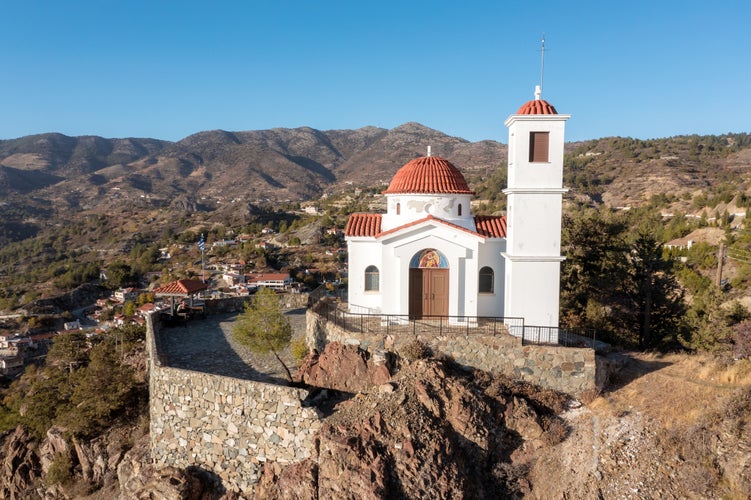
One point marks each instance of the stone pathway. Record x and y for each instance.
(207, 345)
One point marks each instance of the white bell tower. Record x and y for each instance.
(534, 204)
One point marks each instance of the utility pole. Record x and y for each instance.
(720, 254)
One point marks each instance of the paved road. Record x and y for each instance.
(207, 345)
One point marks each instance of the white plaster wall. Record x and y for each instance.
(364, 252)
(459, 248)
(522, 173)
(534, 223)
(534, 194)
(490, 255)
(418, 206)
(532, 291)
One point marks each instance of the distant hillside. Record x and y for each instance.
(265, 165)
(622, 172)
(227, 172)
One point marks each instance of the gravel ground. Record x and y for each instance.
(207, 345)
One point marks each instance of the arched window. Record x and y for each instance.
(372, 279)
(486, 280)
(459, 212)
(398, 208)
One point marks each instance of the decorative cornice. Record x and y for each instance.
(533, 258)
(534, 190)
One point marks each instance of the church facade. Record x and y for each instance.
(429, 256)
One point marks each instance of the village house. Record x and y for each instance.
(72, 325)
(146, 309)
(11, 364)
(233, 278)
(224, 243)
(126, 294)
(278, 281)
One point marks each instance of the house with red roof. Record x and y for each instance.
(278, 281)
(428, 255)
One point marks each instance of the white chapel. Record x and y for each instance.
(429, 256)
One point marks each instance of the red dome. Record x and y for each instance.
(428, 174)
(537, 107)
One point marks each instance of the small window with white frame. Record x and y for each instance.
(372, 279)
(485, 282)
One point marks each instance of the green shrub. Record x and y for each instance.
(59, 471)
(299, 349)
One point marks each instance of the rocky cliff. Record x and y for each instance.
(672, 426)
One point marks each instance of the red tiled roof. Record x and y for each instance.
(491, 226)
(428, 174)
(181, 287)
(256, 277)
(370, 225)
(537, 107)
(363, 225)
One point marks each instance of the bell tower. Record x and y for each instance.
(534, 208)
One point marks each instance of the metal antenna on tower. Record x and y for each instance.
(542, 64)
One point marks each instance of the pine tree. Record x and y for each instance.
(263, 328)
(655, 304)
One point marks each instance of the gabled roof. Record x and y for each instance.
(181, 287)
(363, 225)
(370, 225)
(491, 226)
(428, 174)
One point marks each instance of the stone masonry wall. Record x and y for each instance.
(225, 425)
(567, 369)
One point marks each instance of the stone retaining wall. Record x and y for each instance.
(567, 369)
(225, 425)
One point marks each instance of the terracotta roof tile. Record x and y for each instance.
(428, 174)
(537, 107)
(491, 226)
(181, 287)
(363, 225)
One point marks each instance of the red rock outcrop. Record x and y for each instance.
(434, 431)
(343, 368)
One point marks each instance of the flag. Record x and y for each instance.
(201, 243)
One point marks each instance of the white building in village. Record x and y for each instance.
(429, 256)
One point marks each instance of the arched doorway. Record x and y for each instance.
(428, 284)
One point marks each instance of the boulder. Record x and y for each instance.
(343, 368)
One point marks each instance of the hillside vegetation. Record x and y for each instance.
(76, 206)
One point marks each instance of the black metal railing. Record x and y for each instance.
(379, 323)
(548, 335)
(364, 320)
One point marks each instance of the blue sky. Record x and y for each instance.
(167, 69)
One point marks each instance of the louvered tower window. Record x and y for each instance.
(538, 147)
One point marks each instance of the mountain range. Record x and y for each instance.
(52, 177)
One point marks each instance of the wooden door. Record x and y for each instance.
(437, 298)
(415, 293)
(428, 292)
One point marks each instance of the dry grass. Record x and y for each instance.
(677, 389)
(733, 373)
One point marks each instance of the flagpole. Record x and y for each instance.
(202, 246)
